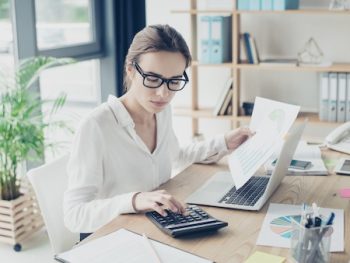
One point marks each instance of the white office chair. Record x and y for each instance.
(49, 182)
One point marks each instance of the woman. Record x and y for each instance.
(126, 147)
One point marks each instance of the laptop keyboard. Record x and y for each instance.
(248, 194)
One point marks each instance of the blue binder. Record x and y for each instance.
(204, 39)
(220, 45)
(243, 4)
(266, 4)
(254, 5)
(285, 4)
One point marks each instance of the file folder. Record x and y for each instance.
(266, 4)
(220, 45)
(341, 104)
(285, 4)
(254, 5)
(333, 96)
(324, 95)
(348, 97)
(204, 39)
(243, 4)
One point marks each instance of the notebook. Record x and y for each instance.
(125, 246)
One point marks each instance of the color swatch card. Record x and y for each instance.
(276, 230)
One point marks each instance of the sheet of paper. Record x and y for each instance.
(304, 152)
(261, 257)
(276, 230)
(125, 246)
(270, 120)
(273, 115)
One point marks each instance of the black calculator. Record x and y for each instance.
(196, 220)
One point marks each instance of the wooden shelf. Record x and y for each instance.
(199, 64)
(208, 114)
(241, 12)
(296, 12)
(237, 68)
(336, 67)
(195, 12)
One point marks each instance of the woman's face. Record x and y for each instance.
(162, 64)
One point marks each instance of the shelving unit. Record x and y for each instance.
(194, 112)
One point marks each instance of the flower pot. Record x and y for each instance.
(19, 219)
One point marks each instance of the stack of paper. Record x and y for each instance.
(125, 246)
(304, 152)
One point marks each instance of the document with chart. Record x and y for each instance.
(271, 121)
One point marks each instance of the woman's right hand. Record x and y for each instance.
(158, 201)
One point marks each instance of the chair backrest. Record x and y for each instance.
(49, 182)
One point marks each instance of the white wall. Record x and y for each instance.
(276, 35)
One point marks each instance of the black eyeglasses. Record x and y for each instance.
(152, 81)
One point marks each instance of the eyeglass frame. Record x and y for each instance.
(145, 75)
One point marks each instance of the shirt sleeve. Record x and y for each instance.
(207, 151)
(84, 212)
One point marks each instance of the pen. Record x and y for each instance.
(330, 219)
(151, 248)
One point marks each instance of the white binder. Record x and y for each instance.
(333, 96)
(341, 104)
(348, 98)
(324, 90)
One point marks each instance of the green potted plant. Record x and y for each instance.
(22, 125)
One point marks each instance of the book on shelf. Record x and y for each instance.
(249, 48)
(223, 95)
(279, 62)
(254, 48)
(304, 152)
(226, 102)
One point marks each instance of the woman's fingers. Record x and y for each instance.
(169, 202)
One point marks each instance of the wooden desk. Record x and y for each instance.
(238, 241)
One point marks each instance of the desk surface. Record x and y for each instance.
(237, 242)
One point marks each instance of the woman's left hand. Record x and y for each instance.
(236, 137)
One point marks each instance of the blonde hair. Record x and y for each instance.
(155, 38)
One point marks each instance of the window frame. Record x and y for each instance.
(25, 34)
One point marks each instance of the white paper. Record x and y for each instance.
(125, 246)
(304, 152)
(271, 120)
(270, 237)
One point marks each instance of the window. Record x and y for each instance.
(63, 23)
(7, 60)
(70, 28)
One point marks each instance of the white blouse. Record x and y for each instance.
(109, 163)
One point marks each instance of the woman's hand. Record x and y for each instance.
(157, 201)
(236, 137)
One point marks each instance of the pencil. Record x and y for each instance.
(151, 248)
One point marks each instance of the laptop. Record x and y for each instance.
(220, 191)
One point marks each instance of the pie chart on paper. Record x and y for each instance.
(282, 226)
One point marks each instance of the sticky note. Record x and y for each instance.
(261, 257)
(345, 192)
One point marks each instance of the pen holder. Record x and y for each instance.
(310, 244)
